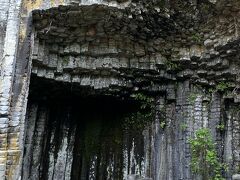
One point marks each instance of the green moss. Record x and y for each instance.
(172, 65)
(65, 60)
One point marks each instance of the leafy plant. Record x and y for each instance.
(221, 127)
(211, 90)
(172, 65)
(222, 86)
(204, 160)
(137, 121)
(183, 126)
(192, 97)
(146, 101)
(140, 119)
(196, 38)
(163, 124)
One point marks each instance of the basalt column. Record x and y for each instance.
(82, 59)
(77, 135)
(102, 89)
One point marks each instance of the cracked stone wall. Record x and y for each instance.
(186, 54)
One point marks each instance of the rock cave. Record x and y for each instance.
(119, 90)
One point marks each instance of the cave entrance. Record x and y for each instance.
(77, 133)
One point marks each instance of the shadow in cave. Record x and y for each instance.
(84, 136)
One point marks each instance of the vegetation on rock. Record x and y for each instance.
(142, 118)
(204, 160)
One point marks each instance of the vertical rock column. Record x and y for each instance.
(38, 143)
(231, 154)
(236, 139)
(4, 6)
(228, 158)
(9, 148)
(183, 130)
(30, 127)
(160, 145)
(215, 114)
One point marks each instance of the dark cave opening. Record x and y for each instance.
(82, 134)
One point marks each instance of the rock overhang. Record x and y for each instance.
(100, 43)
(204, 56)
(97, 42)
(138, 25)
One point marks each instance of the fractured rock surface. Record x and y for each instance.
(185, 54)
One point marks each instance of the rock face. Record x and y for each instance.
(69, 71)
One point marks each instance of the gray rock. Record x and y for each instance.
(236, 177)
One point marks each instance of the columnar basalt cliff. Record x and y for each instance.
(77, 78)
